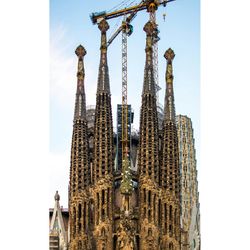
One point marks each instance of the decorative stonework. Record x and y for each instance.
(130, 210)
(189, 193)
(170, 174)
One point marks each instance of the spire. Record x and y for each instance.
(103, 77)
(57, 196)
(148, 151)
(79, 148)
(169, 109)
(79, 164)
(149, 84)
(80, 103)
(148, 160)
(57, 226)
(103, 128)
(170, 170)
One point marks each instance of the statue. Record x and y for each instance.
(125, 239)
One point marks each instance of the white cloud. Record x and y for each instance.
(62, 67)
(59, 176)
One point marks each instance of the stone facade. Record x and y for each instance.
(190, 216)
(139, 208)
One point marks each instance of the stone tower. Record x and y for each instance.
(103, 160)
(170, 172)
(190, 214)
(79, 166)
(148, 153)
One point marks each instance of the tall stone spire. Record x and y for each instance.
(103, 128)
(148, 152)
(79, 167)
(103, 162)
(170, 171)
(149, 84)
(148, 159)
(103, 77)
(169, 109)
(80, 103)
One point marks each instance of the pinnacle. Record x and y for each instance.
(169, 55)
(103, 26)
(80, 51)
(57, 196)
(149, 28)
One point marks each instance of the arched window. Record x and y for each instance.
(159, 212)
(175, 217)
(170, 212)
(108, 202)
(171, 246)
(74, 219)
(84, 215)
(154, 201)
(79, 217)
(149, 198)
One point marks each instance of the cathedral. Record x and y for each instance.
(113, 207)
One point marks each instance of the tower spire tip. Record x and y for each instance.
(57, 196)
(103, 26)
(169, 55)
(80, 51)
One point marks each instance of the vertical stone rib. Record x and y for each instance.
(170, 177)
(79, 167)
(148, 152)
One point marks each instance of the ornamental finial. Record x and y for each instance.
(103, 26)
(169, 55)
(80, 51)
(57, 196)
(149, 28)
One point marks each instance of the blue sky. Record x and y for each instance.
(70, 26)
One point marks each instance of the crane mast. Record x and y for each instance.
(124, 92)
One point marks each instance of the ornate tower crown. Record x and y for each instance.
(169, 55)
(103, 26)
(80, 51)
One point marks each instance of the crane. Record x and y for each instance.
(126, 28)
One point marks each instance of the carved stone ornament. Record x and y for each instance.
(169, 54)
(103, 26)
(149, 28)
(80, 51)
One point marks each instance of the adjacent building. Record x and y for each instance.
(58, 226)
(190, 212)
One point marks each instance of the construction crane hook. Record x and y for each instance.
(164, 17)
